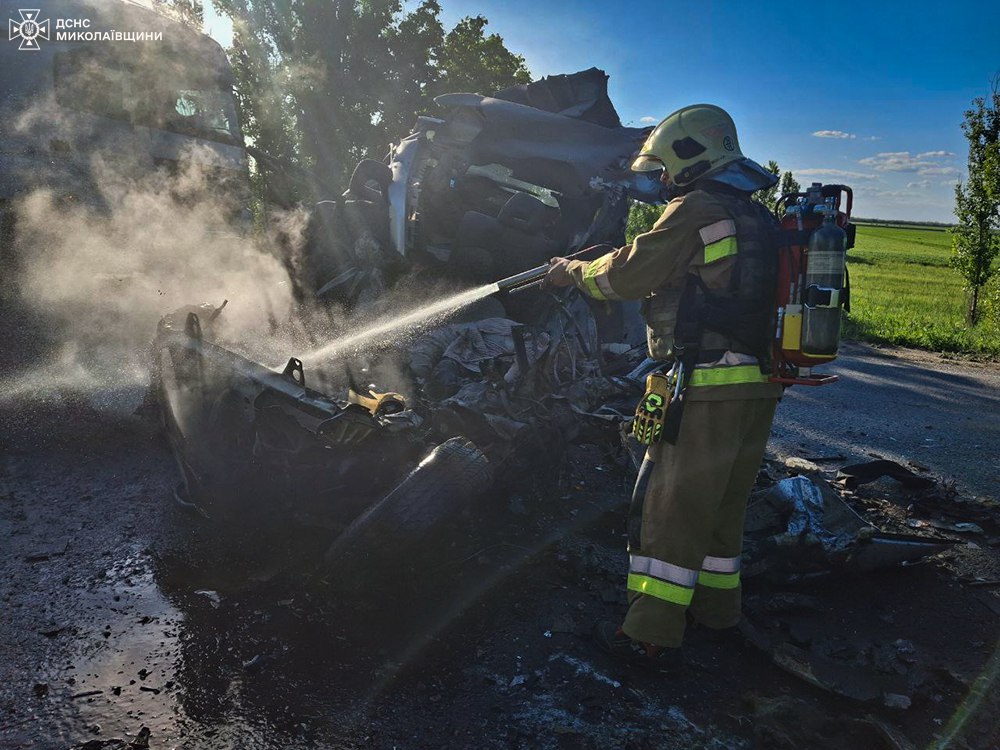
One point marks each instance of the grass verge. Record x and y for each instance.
(904, 292)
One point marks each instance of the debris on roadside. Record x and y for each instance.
(801, 528)
(564, 624)
(46, 555)
(794, 463)
(864, 671)
(962, 527)
(85, 694)
(857, 474)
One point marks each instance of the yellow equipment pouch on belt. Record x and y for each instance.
(652, 410)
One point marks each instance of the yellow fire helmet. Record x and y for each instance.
(690, 143)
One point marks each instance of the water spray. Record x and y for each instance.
(376, 333)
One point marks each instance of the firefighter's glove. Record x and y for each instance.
(558, 274)
(652, 410)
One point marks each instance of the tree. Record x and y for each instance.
(323, 84)
(191, 12)
(641, 217)
(416, 43)
(469, 61)
(788, 184)
(975, 243)
(767, 196)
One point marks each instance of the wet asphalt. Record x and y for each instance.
(119, 612)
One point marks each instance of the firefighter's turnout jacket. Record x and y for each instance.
(686, 521)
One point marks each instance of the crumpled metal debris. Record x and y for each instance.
(801, 528)
(863, 670)
(856, 474)
(471, 344)
(805, 502)
(493, 379)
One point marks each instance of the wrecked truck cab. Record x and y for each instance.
(491, 187)
(515, 183)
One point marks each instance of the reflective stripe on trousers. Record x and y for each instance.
(661, 579)
(720, 572)
(675, 584)
(664, 580)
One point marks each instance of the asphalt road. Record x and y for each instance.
(902, 405)
(117, 612)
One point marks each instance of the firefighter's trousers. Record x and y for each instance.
(686, 520)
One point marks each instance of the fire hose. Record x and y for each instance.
(533, 278)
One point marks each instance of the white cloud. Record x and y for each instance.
(917, 205)
(920, 184)
(895, 161)
(941, 171)
(833, 134)
(904, 161)
(648, 120)
(894, 196)
(835, 173)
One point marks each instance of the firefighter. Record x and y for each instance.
(702, 272)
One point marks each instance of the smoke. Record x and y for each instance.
(122, 220)
(98, 275)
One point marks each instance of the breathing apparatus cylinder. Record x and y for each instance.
(824, 286)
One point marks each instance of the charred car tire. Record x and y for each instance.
(413, 530)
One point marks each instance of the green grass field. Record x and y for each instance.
(904, 292)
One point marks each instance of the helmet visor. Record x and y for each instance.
(647, 163)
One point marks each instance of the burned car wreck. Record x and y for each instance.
(390, 443)
(497, 186)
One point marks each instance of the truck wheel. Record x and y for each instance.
(410, 532)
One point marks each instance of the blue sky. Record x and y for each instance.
(869, 94)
